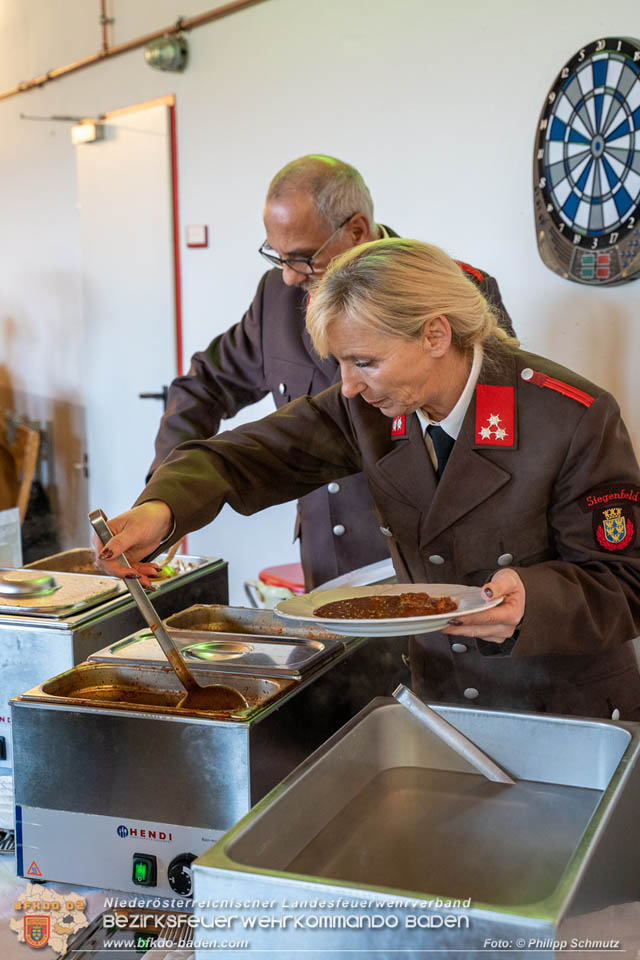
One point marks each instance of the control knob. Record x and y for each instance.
(179, 874)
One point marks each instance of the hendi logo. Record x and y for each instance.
(143, 833)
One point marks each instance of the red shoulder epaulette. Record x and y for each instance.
(472, 271)
(542, 380)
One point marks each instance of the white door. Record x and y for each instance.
(126, 213)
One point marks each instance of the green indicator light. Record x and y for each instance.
(145, 870)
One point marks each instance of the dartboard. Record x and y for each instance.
(587, 166)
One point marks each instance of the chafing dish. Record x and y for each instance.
(44, 635)
(385, 820)
(145, 778)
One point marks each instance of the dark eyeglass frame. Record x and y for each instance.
(291, 262)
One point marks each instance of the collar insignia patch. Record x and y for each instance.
(399, 428)
(495, 416)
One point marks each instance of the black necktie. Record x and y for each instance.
(442, 444)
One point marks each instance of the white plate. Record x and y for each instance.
(469, 600)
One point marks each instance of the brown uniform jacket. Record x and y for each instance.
(270, 351)
(539, 504)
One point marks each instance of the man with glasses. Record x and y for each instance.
(316, 208)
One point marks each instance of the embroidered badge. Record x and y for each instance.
(616, 530)
(37, 930)
(495, 416)
(604, 495)
(399, 427)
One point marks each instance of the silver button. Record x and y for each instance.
(505, 559)
(333, 487)
(436, 558)
(385, 532)
(616, 714)
(282, 388)
(527, 373)
(471, 693)
(459, 648)
(339, 530)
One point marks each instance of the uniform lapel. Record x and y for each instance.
(408, 468)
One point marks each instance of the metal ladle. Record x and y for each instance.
(217, 696)
(451, 736)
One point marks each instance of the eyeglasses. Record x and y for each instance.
(302, 265)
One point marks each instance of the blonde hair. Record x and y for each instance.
(397, 286)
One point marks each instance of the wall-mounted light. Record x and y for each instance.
(167, 53)
(88, 131)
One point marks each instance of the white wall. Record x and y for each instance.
(437, 104)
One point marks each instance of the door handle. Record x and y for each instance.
(157, 396)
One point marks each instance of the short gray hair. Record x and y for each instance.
(337, 189)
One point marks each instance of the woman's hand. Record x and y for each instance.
(137, 533)
(499, 623)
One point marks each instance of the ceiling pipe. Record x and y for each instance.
(106, 53)
(105, 22)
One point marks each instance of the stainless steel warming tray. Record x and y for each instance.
(217, 618)
(126, 779)
(386, 820)
(257, 655)
(36, 643)
(82, 560)
(151, 689)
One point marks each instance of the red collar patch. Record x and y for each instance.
(495, 416)
(399, 427)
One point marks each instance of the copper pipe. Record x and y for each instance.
(104, 20)
(181, 25)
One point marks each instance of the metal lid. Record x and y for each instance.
(42, 594)
(12, 586)
(255, 655)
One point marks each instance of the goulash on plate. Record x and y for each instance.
(386, 607)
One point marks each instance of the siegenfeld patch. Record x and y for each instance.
(614, 510)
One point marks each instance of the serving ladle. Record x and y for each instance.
(451, 735)
(216, 696)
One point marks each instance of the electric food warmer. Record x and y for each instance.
(132, 787)
(57, 611)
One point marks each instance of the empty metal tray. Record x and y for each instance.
(385, 812)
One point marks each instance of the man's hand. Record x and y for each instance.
(499, 623)
(137, 533)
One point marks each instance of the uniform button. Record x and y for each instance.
(471, 693)
(282, 388)
(527, 373)
(385, 532)
(459, 648)
(616, 714)
(505, 559)
(339, 530)
(333, 487)
(436, 558)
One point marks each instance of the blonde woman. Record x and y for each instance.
(486, 465)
